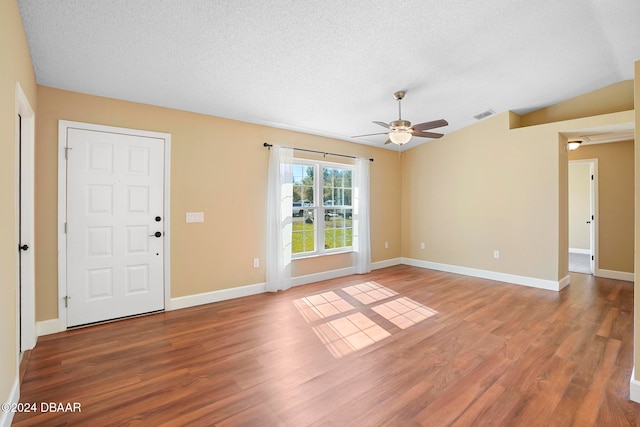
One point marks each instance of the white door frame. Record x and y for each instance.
(63, 126)
(25, 299)
(593, 211)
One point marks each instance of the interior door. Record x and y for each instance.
(21, 246)
(114, 226)
(26, 243)
(591, 220)
(26, 318)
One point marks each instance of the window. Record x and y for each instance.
(322, 208)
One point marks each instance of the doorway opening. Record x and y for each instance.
(582, 215)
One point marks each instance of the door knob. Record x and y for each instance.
(156, 234)
(588, 222)
(23, 247)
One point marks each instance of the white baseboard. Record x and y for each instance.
(53, 326)
(634, 387)
(318, 277)
(618, 275)
(580, 251)
(215, 296)
(243, 291)
(386, 263)
(492, 275)
(48, 327)
(6, 417)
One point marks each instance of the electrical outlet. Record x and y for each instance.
(195, 216)
(496, 254)
(256, 262)
(422, 245)
(386, 245)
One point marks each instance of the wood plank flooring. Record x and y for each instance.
(455, 351)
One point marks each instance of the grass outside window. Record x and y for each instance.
(338, 233)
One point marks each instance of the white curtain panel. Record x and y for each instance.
(279, 221)
(361, 240)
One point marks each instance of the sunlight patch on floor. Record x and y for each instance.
(403, 312)
(369, 292)
(345, 328)
(322, 305)
(346, 335)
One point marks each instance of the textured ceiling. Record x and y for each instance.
(331, 67)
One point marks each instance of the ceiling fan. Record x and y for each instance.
(401, 131)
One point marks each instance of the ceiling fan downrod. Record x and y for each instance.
(399, 95)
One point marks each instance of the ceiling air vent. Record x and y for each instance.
(484, 114)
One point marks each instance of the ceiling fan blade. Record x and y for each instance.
(428, 134)
(369, 134)
(383, 124)
(430, 125)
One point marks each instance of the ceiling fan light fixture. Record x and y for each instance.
(400, 137)
(573, 144)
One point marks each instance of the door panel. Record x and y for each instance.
(114, 193)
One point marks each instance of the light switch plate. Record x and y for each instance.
(195, 216)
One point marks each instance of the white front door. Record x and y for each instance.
(114, 225)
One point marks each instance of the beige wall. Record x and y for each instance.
(218, 167)
(482, 189)
(493, 186)
(614, 98)
(579, 205)
(615, 202)
(15, 67)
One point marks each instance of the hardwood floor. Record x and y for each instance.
(438, 349)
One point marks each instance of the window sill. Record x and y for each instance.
(316, 255)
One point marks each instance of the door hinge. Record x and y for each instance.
(591, 177)
(66, 152)
(66, 299)
(592, 217)
(592, 258)
(65, 228)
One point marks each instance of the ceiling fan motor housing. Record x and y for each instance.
(399, 94)
(400, 125)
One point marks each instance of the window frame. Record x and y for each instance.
(319, 208)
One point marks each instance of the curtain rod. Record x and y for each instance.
(267, 145)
